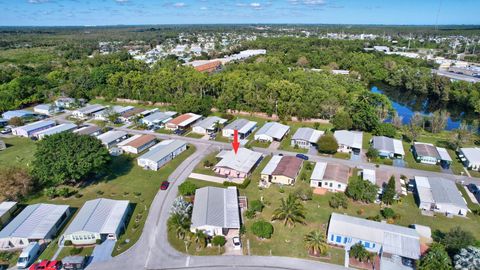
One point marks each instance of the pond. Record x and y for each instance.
(406, 104)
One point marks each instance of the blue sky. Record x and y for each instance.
(114, 12)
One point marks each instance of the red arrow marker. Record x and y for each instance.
(235, 142)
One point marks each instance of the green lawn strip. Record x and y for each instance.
(19, 152)
(69, 251)
(164, 131)
(255, 143)
(12, 260)
(286, 145)
(456, 166)
(194, 135)
(200, 168)
(463, 190)
(341, 155)
(366, 140)
(474, 173)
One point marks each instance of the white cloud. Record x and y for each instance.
(121, 1)
(38, 1)
(179, 5)
(308, 2)
(203, 8)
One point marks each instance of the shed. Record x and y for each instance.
(33, 128)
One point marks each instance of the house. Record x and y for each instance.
(271, 131)
(6, 212)
(3, 146)
(89, 130)
(470, 157)
(161, 153)
(183, 121)
(97, 220)
(331, 176)
(18, 113)
(67, 102)
(429, 154)
(112, 137)
(37, 222)
(103, 115)
(381, 178)
(3, 122)
(157, 118)
(208, 125)
(216, 211)
(394, 244)
(244, 127)
(46, 109)
(436, 194)
(306, 137)
(129, 116)
(282, 170)
(349, 141)
(87, 111)
(238, 165)
(388, 147)
(137, 144)
(55, 129)
(33, 128)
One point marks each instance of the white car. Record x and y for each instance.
(236, 243)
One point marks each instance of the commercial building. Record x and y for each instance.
(33, 128)
(6, 212)
(331, 176)
(161, 153)
(157, 118)
(216, 211)
(98, 219)
(183, 121)
(271, 131)
(306, 137)
(243, 126)
(429, 154)
(238, 165)
(388, 147)
(138, 143)
(349, 141)
(282, 170)
(87, 111)
(112, 138)
(208, 125)
(55, 130)
(470, 157)
(18, 113)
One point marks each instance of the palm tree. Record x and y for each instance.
(179, 224)
(315, 242)
(291, 211)
(200, 239)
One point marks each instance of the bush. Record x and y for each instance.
(256, 206)
(359, 252)
(219, 241)
(67, 243)
(98, 241)
(50, 192)
(327, 144)
(372, 153)
(262, 229)
(187, 188)
(243, 185)
(338, 200)
(250, 214)
(388, 213)
(64, 192)
(374, 218)
(75, 251)
(303, 193)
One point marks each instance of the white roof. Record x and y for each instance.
(353, 139)
(423, 189)
(159, 117)
(319, 171)
(471, 154)
(216, 207)
(370, 175)
(439, 191)
(111, 136)
(243, 161)
(99, 216)
(91, 109)
(387, 144)
(56, 129)
(242, 125)
(444, 154)
(209, 122)
(271, 165)
(131, 139)
(5, 207)
(162, 149)
(274, 130)
(307, 134)
(36, 125)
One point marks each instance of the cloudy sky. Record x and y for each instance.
(114, 12)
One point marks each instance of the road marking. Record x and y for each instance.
(187, 263)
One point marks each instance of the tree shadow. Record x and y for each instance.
(118, 166)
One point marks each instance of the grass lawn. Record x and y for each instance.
(127, 181)
(366, 140)
(12, 259)
(19, 152)
(285, 144)
(179, 245)
(412, 163)
(255, 143)
(200, 168)
(164, 131)
(474, 173)
(194, 135)
(70, 251)
(457, 165)
(341, 155)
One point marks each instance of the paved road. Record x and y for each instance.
(455, 76)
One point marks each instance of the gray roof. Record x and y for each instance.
(274, 130)
(87, 130)
(387, 144)
(6, 206)
(395, 239)
(158, 117)
(242, 125)
(471, 154)
(73, 260)
(271, 165)
(216, 207)
(43, 107)
(426, 150)
(307, 134)
(111, 136)
(162, 149)
(243, 161)
(102, 216)
(353, 139)
(37, 125)
(445, 191)
(208, 122)
(57, 129)
(34, 222)
(91, 109)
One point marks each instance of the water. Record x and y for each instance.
(407, 104)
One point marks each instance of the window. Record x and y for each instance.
(331, 184)
(331, 238)
(366, 245)
(345, 240)
(339, 239)
(339, 185)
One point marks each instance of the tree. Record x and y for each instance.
(182, 208)
(327, 144)
(338, 200)
(438, 121)
(454, 240)
(413, 131)
(435, 259)
(200, 239)
(388, 196)
(219, 241)
(359, 252)
(468, 258)
(388, 213)
(16, 121)
(342, 120)
(256, 206)
(397, 121)
(262, 229)
(302, 61)
(15, 183)
(362, 190)
(194, 104)
(291, 211)
(179, 224)
(67, 157)
(315, 242)
(460, 136)
(372, 153)
(187, 188)
(385, 129)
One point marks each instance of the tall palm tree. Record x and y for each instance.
(200, 239)
(179, 224)
(291, 211)
(315, 242)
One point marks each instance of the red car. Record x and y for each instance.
(164, 185)
(46, 265)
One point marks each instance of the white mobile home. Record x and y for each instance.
(46, 109)
(112, 137)
(388, 147)
(331, 176)
(243, 126)
(470, 157)
(137, 143)
(87, 111)
(157, 118)
(55, 130)
(306, 137)
(33, 128)
(349, 141)
(161, 153)
(271, 131)
(208, 125)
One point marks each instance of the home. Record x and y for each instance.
(306, 137)
(243, 126)
(18, 113)
(90, 130)
(6, 211)
(33, 128)
(216, 211)
(104, 115)
(208, 125)
(97, 220)
(87, 111)
(183, 121)
(3, 145)
(388, 147)
(37, 222)
(429, 154)
(157, 118)
(46, 109)
(349, 141)
(271, 131)
(137, 144)
(129, 116)
(3, 122)
(396, 246)
(436, 194)
(112, 137)
(67, 102)
(282, 170)
(381, 178)
(470, 157)
(55, 130)
(161, 153)
(238, 165)
(331, 176)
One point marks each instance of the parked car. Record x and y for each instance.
(302, 156)
(179, 131)
(74, 262)
(474, 188)
(29, 254)
(6, 130)
(236, 242)
(46, 265)
(165, 185)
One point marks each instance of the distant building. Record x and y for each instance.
(238, 165)
(157, 118)
(18, 113)
(55, 130)
(89, 130)
(138, 143)
(208, 66)
(306, 137)
(388, 147)
(103, 115)
(282, 170)
(349, 141)
(87, 111)
(244, 127)
(183, 121)
(384, 49)
(470, 157)
(429, 154)
(271, 131)
(46, 109)
(208, 125)
(161, 153)
(33, 128)
(6, 212)
(66, 102)
(112, 138)
(129, 116)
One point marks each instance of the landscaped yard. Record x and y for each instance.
(200, 168)
(19, 152)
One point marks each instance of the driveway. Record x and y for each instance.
(312, 151)
(209, 178)
(103, 252)
(399, 163)
(229, 247)
(274, 145)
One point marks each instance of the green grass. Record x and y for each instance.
(179, 245)
(474, 173)
(164, 131)
(366, 140)
(286, 145)
(19, 152)
(12, 260)
(341, 155)
(27, 56)
(456, 166)
(200, 168)
(194, 135)
(255, 143)
(66, 251)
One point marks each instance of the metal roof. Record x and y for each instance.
(243, 161)
(162, 149)
(35, 221)
(274, 130)
(271, 165)
(209, 122)
(288, 166)
(87, 130)
(18, 113)
(56, 129)
(439, 191)
(387, 144)
(216, 207)
(242, 125)
(471, 154)
(444, 155)
(111, 136)
(426, 150)
(91, 109)
(158, 117)
(102, 216)
(424, 190)
(43, 107)
(184, 119)
(353, 139)
(395, 239)
(37, 125)
(319, 171)
(307, 134)
(6, 206)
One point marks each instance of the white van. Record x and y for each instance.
(29, 254)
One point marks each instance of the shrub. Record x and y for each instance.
(327, 144)
(249, 214)
(243, 185)
(359, 252)
(219, 241)
(256, 206)
(64, 192)
(187, 188)
(67, 243)
(262, 229)
(303, 193)
(388, 213)
(338, 200)
(374, 218)
(75, 251)
(98, 241)
(50, 192)
(372, 153)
